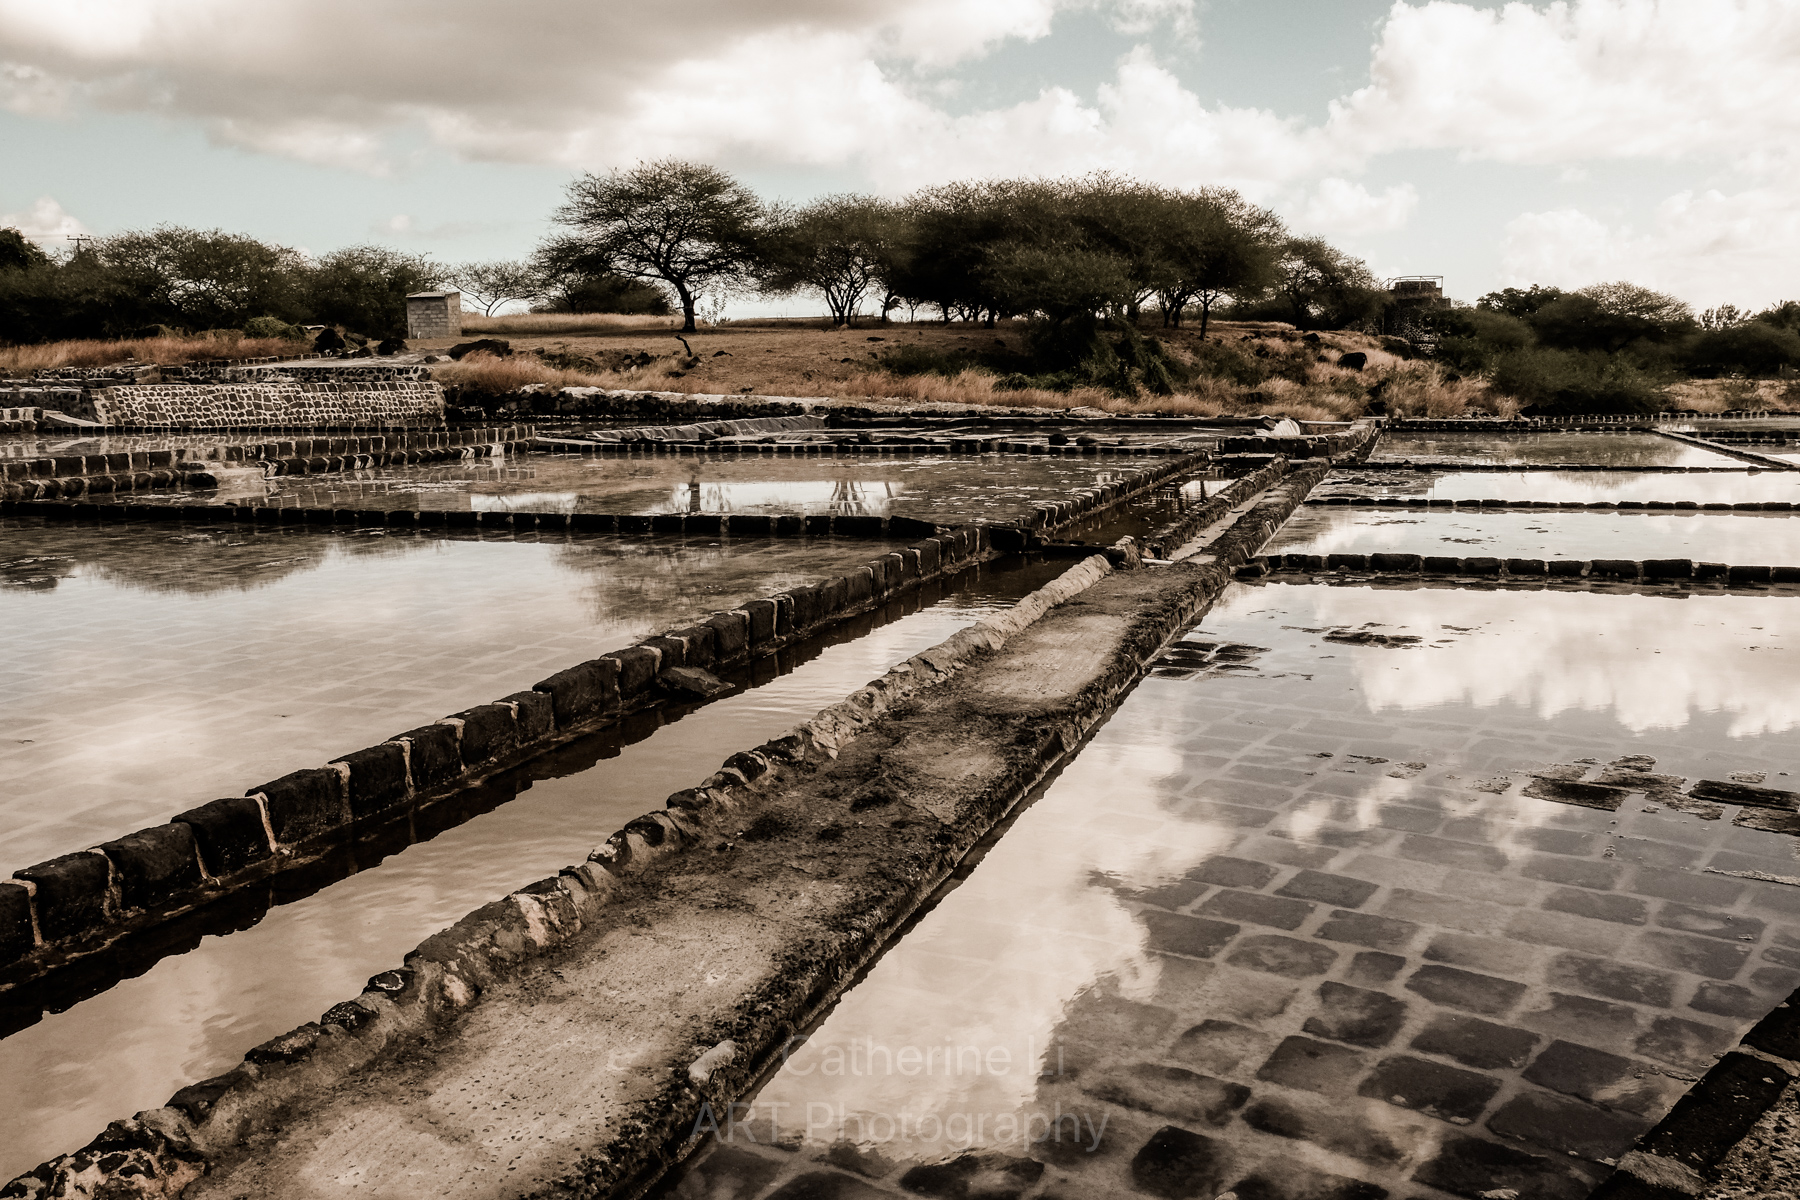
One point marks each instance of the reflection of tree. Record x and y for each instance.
(180, 560)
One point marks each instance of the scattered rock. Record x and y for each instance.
(493, 346)
(1356, 360)
(329, 341)
(693, 681)
(391, 346)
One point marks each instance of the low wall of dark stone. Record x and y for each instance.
(849, 445)
(57, 911)
(1408, 464)
(1612, 570)
(1659, 506)
(325, 405)
(69, 476)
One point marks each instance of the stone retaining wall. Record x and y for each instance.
(77, 904)
(267, 405)
(73, 475)
(1627, 570)
(1661, 506)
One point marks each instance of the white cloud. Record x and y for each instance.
(1707, 247)
(45, 222)
(1340, 206)
(1588, 79)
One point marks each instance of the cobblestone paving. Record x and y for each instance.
(1324, 913)
(150, 669)
(1599, 449)
(1768, 539)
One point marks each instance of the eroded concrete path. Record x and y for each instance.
(572, 1076)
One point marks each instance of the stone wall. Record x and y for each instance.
(266, 405)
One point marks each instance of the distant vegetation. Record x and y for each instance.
(1095, 266)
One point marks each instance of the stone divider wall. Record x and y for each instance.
(1590, 422)
(849, 445)
(1762, 460)
(1578, 505)
(72, 475)
(1409, 464)
(267, 405)
(1625, 570)
(77, 904)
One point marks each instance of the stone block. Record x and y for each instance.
(1443, 852)
(1454, 988)
(671, 650)
(1178, 1164)
(638, 667)
(378, 779)
(72, 895)
(1372, 967)
(1692, 1046)
(1256, 908)
(702, 525)
(731, 636)
(1448, 1093)
(1613, 980)
(536, 717)
(1337, 890)
(1481, 566)
(1001, 1176)
(154, 865)
(584, 691)
(1284, 956)
(435, 755)
(1600, 1078)
(1220, 1047)
(1337, 1127)
(1395, 563)
(1525, 566)
(1437, 564)
(489, 731)
(1584, 1018)
(1172, 1092)
(1567, 1126)
(1599, 906)
(1233, 872)
(759, 624)
(1474, 1167)
(1364, 929)
(1577, 872)
(16, 939)
(1172, 933)
(1346, 562)
(1715, 1115)
(1613, 568)
(305, 804)
(1695, 955)
(1356, 1015)
(1281, 1180)
(1668, 568)
(1686, 887)
(230, 834)
(1476, 1043)
(1312, 1066)
(1707, 923)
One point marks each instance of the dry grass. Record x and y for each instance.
(806, 359)
(562, 324)
(1726, 395)
(167, 352)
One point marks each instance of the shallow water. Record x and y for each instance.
(947, 489)
(152, 668)
(1762, 539)
(195, 1014)
(198, 445)
(1598, 449)
(1290, 921)
(1579, 487)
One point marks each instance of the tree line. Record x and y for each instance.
(664, 236)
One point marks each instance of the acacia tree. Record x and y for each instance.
(1322, 283)
(839, 246)
(688, 225)
(204, 278)
(494, 284)
(1214, 244)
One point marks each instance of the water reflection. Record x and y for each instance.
(206, 661)
(1226, 943)
(1577, 487)
(1600, 449)
(1746, 538)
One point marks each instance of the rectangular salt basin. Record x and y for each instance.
(1293, 925)
(194, 1014)
(197, 445)
(1596, 449)
(1576, 487)
(152, 668)
(1758, 539)
(948, 490)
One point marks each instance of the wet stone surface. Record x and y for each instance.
(1304, 929)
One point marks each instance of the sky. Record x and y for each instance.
(1494, 144)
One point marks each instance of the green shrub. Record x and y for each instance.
(1565, 383)
(273, 327)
